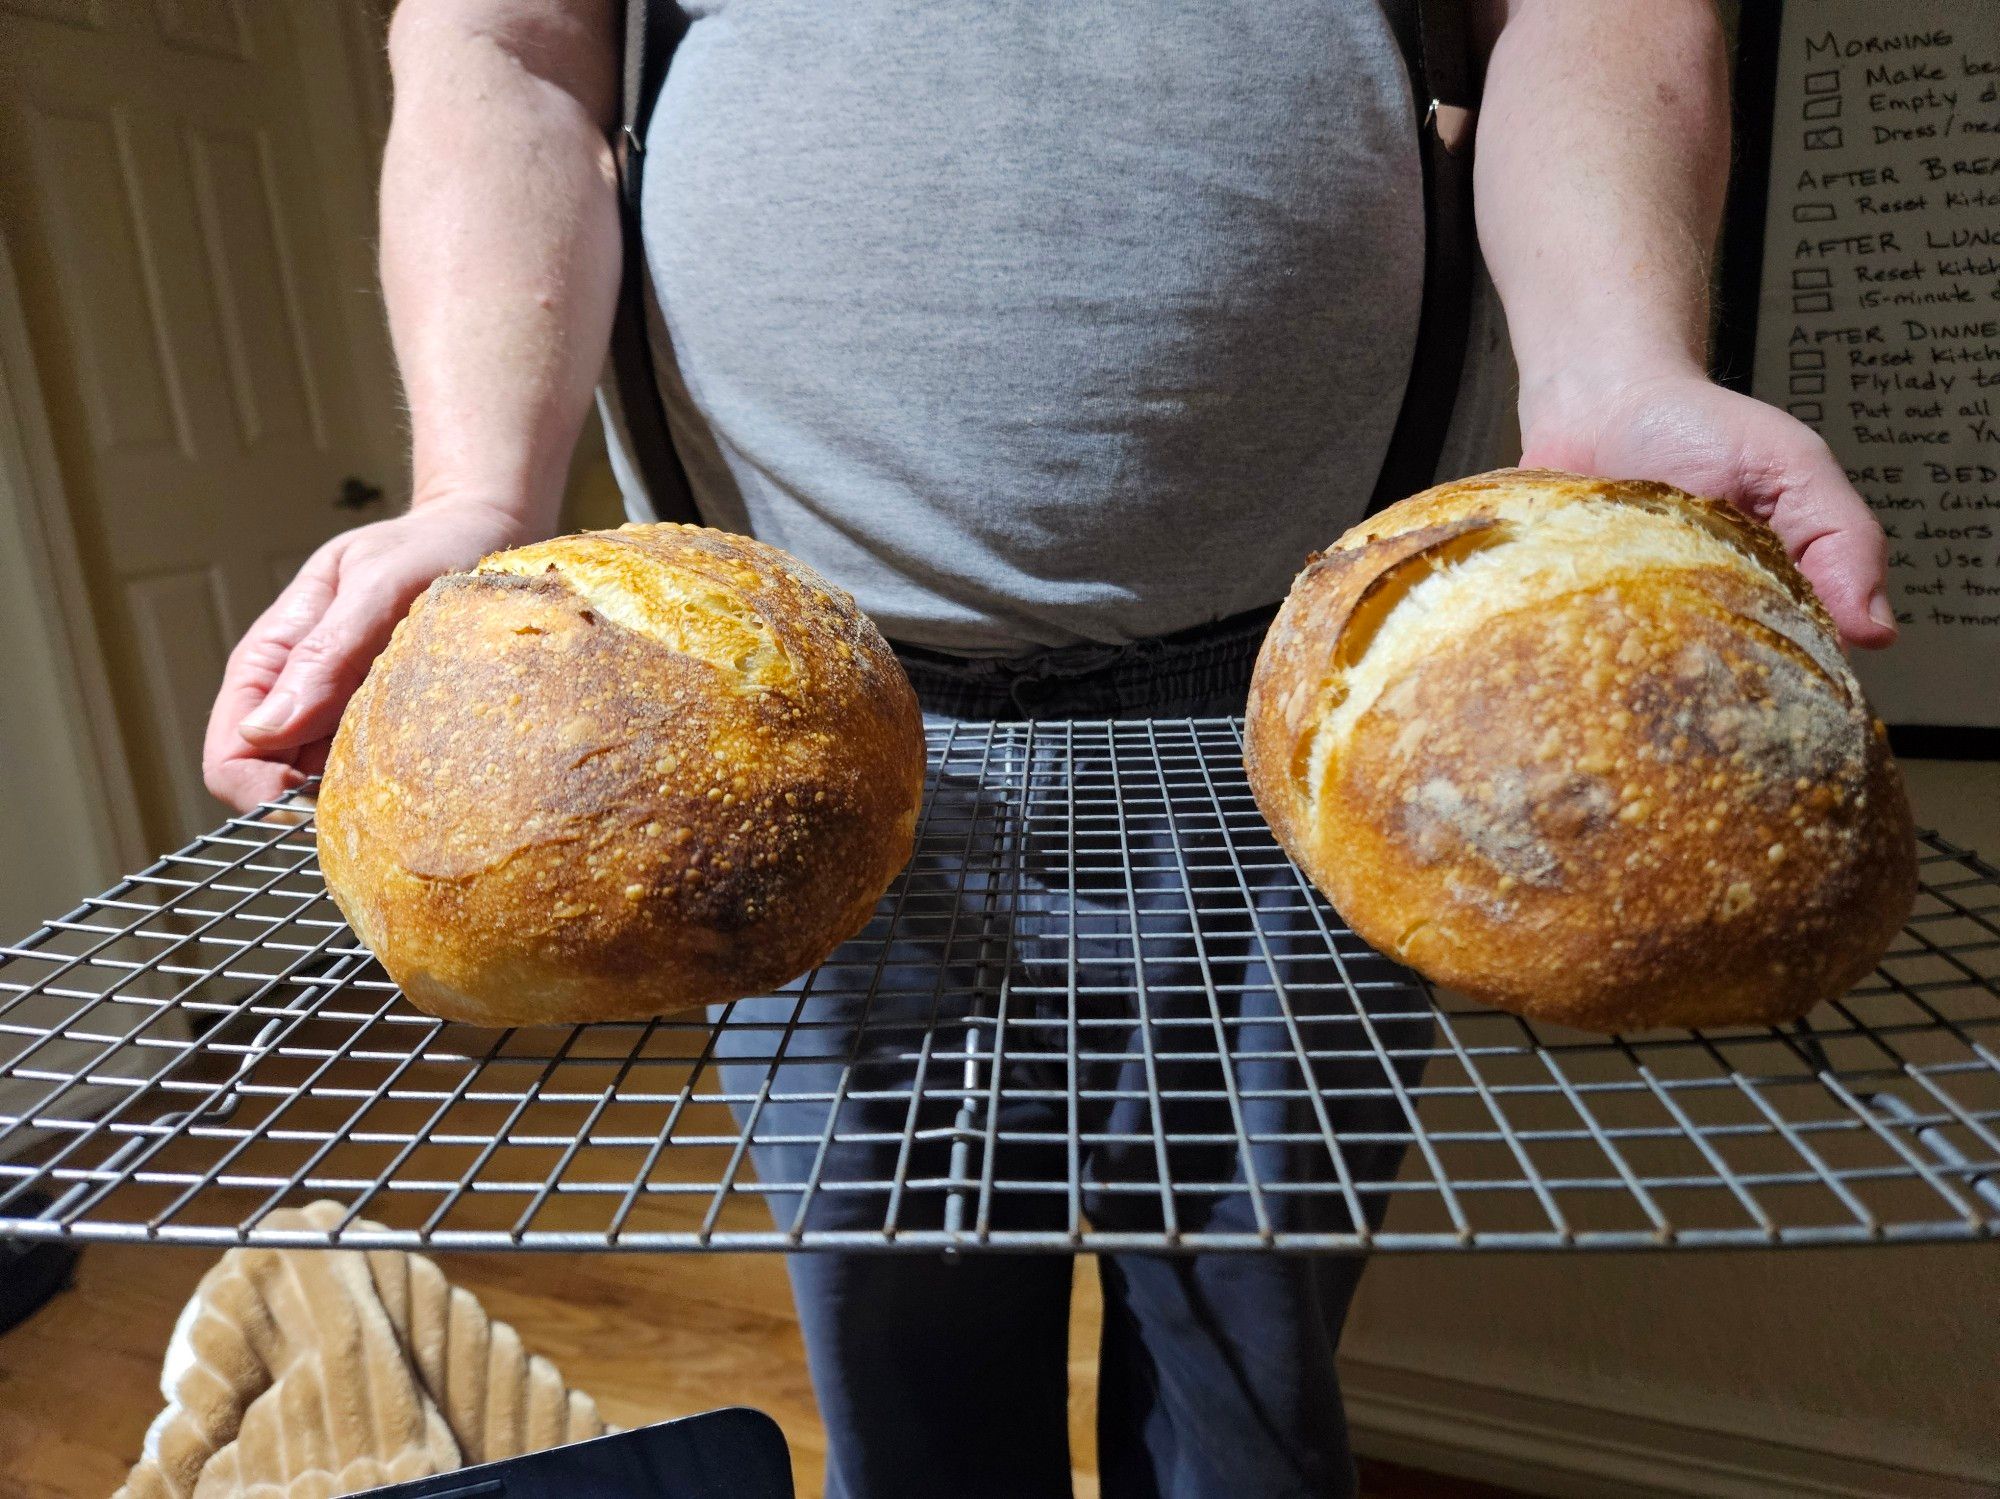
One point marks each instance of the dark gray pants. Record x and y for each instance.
(1217, 1377)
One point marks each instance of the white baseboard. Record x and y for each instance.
(1566, 1450)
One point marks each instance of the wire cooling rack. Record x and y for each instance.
(1100, 1011)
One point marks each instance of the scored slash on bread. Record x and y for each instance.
(1585, 749)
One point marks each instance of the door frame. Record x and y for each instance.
(340, 49)
(68, 654)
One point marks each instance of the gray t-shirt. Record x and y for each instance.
(1035, 324)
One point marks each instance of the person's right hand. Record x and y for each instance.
(291, 675)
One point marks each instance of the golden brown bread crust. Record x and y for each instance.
(1585, 750)
(619, 774)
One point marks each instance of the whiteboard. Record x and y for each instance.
(1869, 169)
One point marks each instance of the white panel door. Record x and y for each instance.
(187, 189)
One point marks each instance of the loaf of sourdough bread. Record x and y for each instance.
(618, 774)
(1585, 750)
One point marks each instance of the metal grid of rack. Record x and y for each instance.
(1100, 1011)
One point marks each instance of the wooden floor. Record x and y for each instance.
(650, 1337)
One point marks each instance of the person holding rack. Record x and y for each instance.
(1059, 336)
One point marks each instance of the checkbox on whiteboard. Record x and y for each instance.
(1812, 278)
(1809, 385)
(1826, 138)
(1806, 411)
(1809, 359)
(1825, 107)
(1812, 213)
(1812, 301)
(1825, 82)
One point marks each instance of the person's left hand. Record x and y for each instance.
(1682, 429)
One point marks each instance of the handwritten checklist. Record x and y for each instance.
(1879, 313)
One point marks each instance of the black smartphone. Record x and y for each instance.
(727, 1454)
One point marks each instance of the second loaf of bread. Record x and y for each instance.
(617, 774)
(1586, 750)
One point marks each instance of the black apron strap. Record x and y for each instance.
(631, 396)
(1443, 82)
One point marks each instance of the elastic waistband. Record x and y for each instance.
(1191, 673)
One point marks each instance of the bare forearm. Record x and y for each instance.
(500, 241)
(1603, 157)
(1603, 160)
